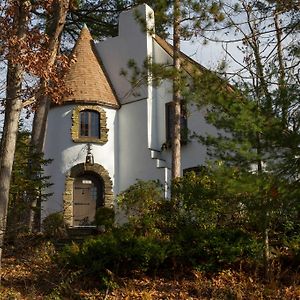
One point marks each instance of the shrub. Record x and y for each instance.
(54, 225)
(216, 249)
(163, 233)
(119, 251)
(105, 216)
(142, 203)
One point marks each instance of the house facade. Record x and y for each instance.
(108, 134)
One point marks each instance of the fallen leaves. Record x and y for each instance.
(30, 273)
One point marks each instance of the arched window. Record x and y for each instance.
(89, 124)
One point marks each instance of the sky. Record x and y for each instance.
(208, 55)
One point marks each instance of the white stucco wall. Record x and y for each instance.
(135, 122)
(136, 129)
(66, 154)
(132, 43)
(135, 160)
(193, 153)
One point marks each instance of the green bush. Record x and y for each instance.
(291, 253)
(118, 251)
(105, 216)
(54, 225)
(142, 203)
(213, 250)
(164, 233)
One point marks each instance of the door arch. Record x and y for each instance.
(100, 180)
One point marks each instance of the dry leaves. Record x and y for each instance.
(30, 273)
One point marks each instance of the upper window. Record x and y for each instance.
(170, 122)
(89, 124)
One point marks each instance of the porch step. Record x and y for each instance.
(77, 235)
(82, 232)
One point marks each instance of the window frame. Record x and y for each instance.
(77, 137)
(169, 116)
(90, 124)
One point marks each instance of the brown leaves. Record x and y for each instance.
(29, 273)
(32, 54)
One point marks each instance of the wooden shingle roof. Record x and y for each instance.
(86, 77)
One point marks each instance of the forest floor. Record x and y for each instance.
(29, 272)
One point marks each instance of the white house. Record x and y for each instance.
(121, 128)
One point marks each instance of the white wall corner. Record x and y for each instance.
(132, 44)
(137, 20)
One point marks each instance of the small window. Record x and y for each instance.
(89, 124)
(170, 122)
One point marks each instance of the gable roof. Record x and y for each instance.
(86, 78)
(189, 65)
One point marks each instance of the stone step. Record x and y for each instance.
(75, 234)
(81, 231)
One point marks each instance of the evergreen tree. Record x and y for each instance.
(27, 182)
(258, 140)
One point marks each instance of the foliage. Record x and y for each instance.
(119, 251)
(160, 234)
(105, 216)
(292, 245)
(27, 181)
(36, 55)
(26, 276)
(141, 202)
(195, 200)
(258, 136)
(54, 225)
(102, 18)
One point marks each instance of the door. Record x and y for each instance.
(88, 195)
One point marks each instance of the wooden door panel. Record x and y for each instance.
(84, 202)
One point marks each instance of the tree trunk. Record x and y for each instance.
(176, 146)
(54, 30)
(283, 101)
(13, 106)
(264, 100)
(260, 73)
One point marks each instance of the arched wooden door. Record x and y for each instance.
(88, 195)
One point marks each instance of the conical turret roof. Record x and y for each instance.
(86, 77)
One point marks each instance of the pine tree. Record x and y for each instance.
(27, 182)
(187, 19)
(259, 133)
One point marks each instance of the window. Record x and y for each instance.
(170, 122)
(89, 124)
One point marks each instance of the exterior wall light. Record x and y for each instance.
(89, 159)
